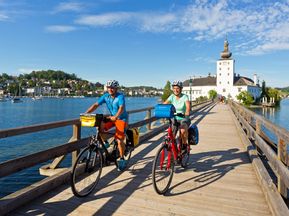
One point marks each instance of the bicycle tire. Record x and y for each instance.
(185, 157)
(88, 166)
(163, 171)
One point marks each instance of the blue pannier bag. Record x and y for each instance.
(193, 138)
(164, 111)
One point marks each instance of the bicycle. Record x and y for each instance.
(86, 171)
(166, 156)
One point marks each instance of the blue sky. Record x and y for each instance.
(145, 42)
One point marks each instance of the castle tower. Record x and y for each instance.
(225, 72)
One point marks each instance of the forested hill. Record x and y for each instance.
(50, 75)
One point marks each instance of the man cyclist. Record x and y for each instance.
(182, 104)
(115, 103)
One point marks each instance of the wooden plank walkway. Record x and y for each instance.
(220, 180)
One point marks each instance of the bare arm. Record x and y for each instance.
(188, 108)
(119, 112)
(92, 108)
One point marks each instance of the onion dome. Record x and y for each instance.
(226, 54)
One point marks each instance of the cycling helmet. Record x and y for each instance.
(112, 83)
(178, 83)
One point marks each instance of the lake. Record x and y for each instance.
(31, 112)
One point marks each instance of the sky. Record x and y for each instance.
(145, 42)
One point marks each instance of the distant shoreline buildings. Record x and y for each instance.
(226, 83)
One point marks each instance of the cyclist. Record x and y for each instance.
(182, 104)
(115, 103)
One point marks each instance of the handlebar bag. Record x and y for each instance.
(164, 111)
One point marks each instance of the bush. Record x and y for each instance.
(245, 98)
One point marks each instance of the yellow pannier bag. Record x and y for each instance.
(91, 120)
(133, 136)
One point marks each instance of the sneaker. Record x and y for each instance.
(121, 164)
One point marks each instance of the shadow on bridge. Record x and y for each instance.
(140, 169)
(212, 166)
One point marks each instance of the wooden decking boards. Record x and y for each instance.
(219, 180)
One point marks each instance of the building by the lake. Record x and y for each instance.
(225, 82)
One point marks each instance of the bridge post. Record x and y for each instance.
(148, 116)
(258, 131)
(282, 156)
(76, 136)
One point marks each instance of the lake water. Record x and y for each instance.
(31, 112)
(278, 115)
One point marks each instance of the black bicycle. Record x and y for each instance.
(86, 171)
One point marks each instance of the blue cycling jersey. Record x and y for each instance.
(113, 104)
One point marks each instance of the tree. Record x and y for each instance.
(274, 93)
(212, 94)
(245, 98)
(264, 90)
(167, 91)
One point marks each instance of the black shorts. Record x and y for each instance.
(184, 121)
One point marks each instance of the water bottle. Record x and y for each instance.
(106, 144)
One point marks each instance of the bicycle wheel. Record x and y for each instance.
(185, 155)
(86, 171)
(163, 169)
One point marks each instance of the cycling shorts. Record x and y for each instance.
(120, 128)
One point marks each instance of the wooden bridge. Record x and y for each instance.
(234, 170)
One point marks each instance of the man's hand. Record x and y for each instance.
(113, 118)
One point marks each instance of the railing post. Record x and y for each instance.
(148, 116)
(258, 132)
(76, 136)
(282, 156)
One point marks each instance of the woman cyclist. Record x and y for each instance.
(182, 104)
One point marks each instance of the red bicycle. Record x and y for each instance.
(171, 152)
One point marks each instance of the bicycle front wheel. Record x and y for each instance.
(86, 171)
(185, 155)
(163, 169)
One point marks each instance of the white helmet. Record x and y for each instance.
(178, 83)
(112, 83)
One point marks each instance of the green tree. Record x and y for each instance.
(274, 93)
(167, 91)
(212, 94)
(245, 98)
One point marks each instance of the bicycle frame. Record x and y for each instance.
(171, 144)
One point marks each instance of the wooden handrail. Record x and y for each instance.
(35, 128)
(277, 161)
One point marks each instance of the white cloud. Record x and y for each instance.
(60, 28)
(69, 6)
(107, 19)
(264, 28)
(3, 17)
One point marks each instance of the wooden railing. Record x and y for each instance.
(58, 176)
(276, 154)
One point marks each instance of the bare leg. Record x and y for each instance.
(184, 134)
(121, 147)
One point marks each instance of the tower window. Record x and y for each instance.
(220, 83)
(220, 63)
(220, 68)
(224, 90)
(228, 74)
(228, 82)
(219, 74)
(228, 68)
